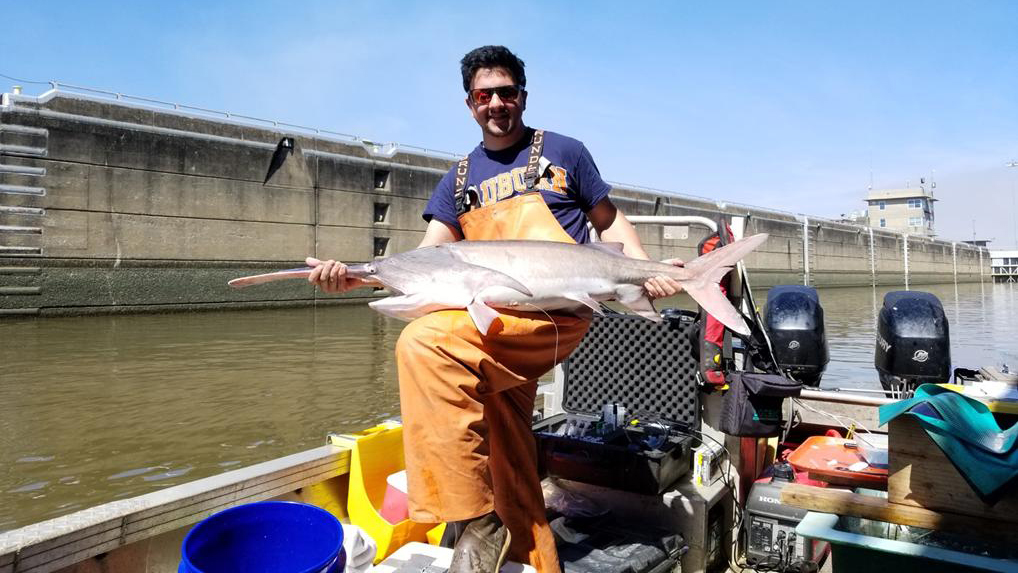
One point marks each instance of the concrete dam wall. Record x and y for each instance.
(108, 207)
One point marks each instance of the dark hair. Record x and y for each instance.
(491, 57)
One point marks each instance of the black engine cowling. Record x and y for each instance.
(794, 321)
(913, 342)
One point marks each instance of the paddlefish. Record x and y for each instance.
(483, 276)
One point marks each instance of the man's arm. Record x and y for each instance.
(613, 227)
(330, 276)
(438, 233)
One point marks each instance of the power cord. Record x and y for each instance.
(782, 558)
(783, 561)
(726, 479)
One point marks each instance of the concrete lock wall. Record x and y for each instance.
(110, 207)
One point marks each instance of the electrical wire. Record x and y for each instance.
(778, 564)
(837, 418)
(785, 562)
(726, 479)
(23, 81)
(782, 559)
(554, 356)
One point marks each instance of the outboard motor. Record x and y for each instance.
(794, 321)
(913, 344)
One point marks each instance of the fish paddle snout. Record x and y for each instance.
(242, 282)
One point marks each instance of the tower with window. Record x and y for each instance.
(907, 210)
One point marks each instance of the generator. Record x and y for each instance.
(631, 399)
(769, 525)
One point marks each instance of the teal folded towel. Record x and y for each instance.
(967, 433)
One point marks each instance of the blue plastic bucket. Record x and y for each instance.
(276, 536)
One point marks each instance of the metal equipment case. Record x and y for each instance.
(645, 368)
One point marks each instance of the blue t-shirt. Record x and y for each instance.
(570, 187)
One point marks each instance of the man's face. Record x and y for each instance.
(498, 118)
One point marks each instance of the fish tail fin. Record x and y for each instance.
(707, 270)
(716, 304)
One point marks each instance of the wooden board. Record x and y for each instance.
(842, 502)
(922, 476)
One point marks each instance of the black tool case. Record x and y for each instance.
(649, 369)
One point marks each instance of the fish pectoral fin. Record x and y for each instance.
(480, 278)
(407, 307)
(584, 299)
(482, 315)
(635, 299)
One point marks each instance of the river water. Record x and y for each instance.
(94, 409)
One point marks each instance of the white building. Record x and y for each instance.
(1004, 266)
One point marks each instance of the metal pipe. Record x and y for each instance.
(905, 247)
(805, 251)
(873, 260)
(839, 398)
(674, 220)
(954, 260)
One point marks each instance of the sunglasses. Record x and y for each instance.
(482, 96)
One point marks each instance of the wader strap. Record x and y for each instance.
(465, 199)
(460, 198)
(534, 160)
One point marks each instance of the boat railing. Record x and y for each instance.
(63, 541)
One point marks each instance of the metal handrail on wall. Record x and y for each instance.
(391, 148)
(387, 149)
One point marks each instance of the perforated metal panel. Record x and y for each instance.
(647, 367)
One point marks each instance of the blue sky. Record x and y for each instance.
(789, 105)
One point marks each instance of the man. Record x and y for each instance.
(467, 398)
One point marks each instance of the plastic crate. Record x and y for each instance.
(862, 544)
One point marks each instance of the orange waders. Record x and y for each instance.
(467, 399)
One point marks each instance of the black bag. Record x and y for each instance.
(752, 405)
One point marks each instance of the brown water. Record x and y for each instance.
(94, 409)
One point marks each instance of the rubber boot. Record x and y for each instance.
(482, 546)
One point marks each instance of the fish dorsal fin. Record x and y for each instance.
(610, 248)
